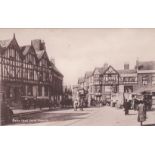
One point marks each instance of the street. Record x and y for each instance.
(96, 116)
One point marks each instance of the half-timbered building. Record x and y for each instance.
(105, 81)
(27, 72)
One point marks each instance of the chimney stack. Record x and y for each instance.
(126, 66)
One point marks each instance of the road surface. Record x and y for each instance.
(97, 116)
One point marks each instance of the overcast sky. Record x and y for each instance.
(79, 50)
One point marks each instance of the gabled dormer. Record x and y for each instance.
(29, 54)
(43, 59)
(110, 76)
(10, 49)
(110, 70)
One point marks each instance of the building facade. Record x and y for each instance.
(27, 72)
(102, 82)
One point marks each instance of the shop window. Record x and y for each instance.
(46, 91)
(40, 91)
(23, 91)
(30, 91)
(128, 89)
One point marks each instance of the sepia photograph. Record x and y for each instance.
(77, 77)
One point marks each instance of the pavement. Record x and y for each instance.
(96, 116)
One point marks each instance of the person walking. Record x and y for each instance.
(81, 103)
(126, 107)
(141, 113)
(75, 105)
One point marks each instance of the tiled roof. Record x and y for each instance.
(103, 69)
(99, 69)
(40, 53)
(5, 43)
(146, 65)
(25, 49)
(81, 79)
(56, 69)
(130, 71)
(88, 74)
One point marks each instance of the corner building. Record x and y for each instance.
(102, 82)
(27, 72)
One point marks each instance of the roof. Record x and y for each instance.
(5, 43)
(145, 89)
(25, 49)
(80, 80)
(88, 74)
(40, 53)
(130, 71)
(146, 65)
(99, 69)
(56, 69)
(102, 69)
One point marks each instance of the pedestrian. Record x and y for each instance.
(10, 114)
(126, 107)
(75, 105)
(141, 113)
(81, 103)
(50, 104)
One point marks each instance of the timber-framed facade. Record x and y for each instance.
(27, 72)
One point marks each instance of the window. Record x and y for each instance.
(39, 90)
(153, 80)
(30, 91)
(145, 80)
(12, 53)
(46, 91)
(129, 79)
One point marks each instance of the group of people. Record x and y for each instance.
(78, 103)
(137, 104)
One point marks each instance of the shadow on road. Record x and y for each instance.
(51, 117)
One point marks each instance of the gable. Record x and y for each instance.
(45, 56)
(110, 70)
(96, 71)
(14, 44)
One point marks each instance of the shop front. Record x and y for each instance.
(110, 83)
(13, 93)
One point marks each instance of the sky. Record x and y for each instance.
(79, 50)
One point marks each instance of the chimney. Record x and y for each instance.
(36, 44)
(43, 47)
(126, 66)
(105, 65)
(137, 63)
(14, 35)
(52, 60)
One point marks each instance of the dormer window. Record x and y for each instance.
(12, 53)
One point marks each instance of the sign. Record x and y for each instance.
(107, 88)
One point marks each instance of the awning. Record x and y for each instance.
(148, 89)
